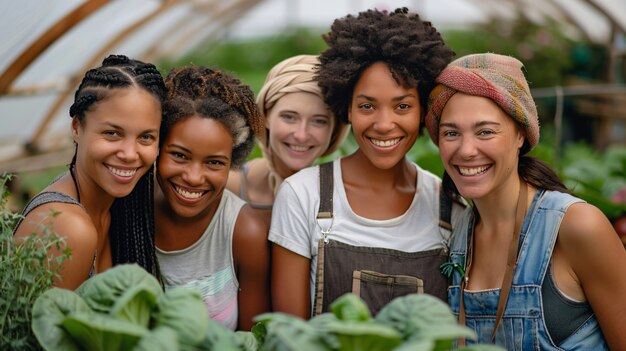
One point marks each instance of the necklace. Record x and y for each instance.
(513, 253)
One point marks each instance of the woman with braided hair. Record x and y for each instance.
(299, 128)
(105, 201)
(367, 223)
(207, 238)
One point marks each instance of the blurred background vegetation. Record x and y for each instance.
(590, 163)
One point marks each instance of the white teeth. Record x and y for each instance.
(385, 143)
(298, 148)
(472, 171)
(188, 194)
(121, 172)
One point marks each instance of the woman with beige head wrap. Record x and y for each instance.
(299, 129)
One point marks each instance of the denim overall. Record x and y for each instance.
(522, 326)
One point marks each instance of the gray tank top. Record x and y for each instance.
(47, 197)
(563, 316)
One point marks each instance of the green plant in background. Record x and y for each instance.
(27, 269)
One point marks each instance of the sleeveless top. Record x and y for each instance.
(523, 325)
(207, 265)
(47, 197)
(243, 190)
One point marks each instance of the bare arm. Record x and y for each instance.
(75, 226)
(290, 282)
(598, 259)
(252, 261)
(234, 181)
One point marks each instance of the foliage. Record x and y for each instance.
(27, 269)
(123, 308)
(412, 322)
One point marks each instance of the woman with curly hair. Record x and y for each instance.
(104, 202)
(367, 223)
(207, 238)
(299, 128)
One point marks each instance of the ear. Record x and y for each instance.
(521, 136)
(75, 127)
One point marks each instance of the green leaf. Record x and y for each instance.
(364, 336)
(349, 307)
(135, 305)
(100, 332)
(423, 317)
(248, 340)
(182, 310)
(103, 290)
(218, 337)
(49, 312)
(158, 339)
(285, 332)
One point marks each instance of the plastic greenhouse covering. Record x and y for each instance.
(46, 45)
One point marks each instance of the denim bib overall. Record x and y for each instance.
(522, 326)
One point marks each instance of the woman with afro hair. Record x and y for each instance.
(207, 238)
(367, 223)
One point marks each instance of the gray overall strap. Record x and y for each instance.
(326, 191)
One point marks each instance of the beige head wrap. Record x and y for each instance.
(295, 74)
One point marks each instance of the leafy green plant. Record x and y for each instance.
(26, 271)
(123, 308)
(412, 322)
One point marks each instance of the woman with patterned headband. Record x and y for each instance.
(532, 266)
(299, 128)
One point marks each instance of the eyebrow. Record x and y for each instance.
(189, 152)
(397, 98)
(115, 126)
(476, 125)
(299, 114)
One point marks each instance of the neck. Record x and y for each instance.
(402, 174)
(498, 208)
(97, 201)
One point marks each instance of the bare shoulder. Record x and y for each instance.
(583, 225)
(234, 181)
(66, 220)
(250, 228)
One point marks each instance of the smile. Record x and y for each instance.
(470, 171)
(126, 173)
(298, 148)
(385, 143)
(192, 195)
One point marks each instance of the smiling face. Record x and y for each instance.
(385, 116)
(479, 145)
(193, 167)
(117, 142)
(300, 128)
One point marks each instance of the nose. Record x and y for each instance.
(129, 151)
(193, 174)
(384, 121)
(467, 149)
(301, 131)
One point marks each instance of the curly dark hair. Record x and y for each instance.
(210, 93)
(412, 49)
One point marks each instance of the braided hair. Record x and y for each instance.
(210, 93)
(131, 232)
(412, 49)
